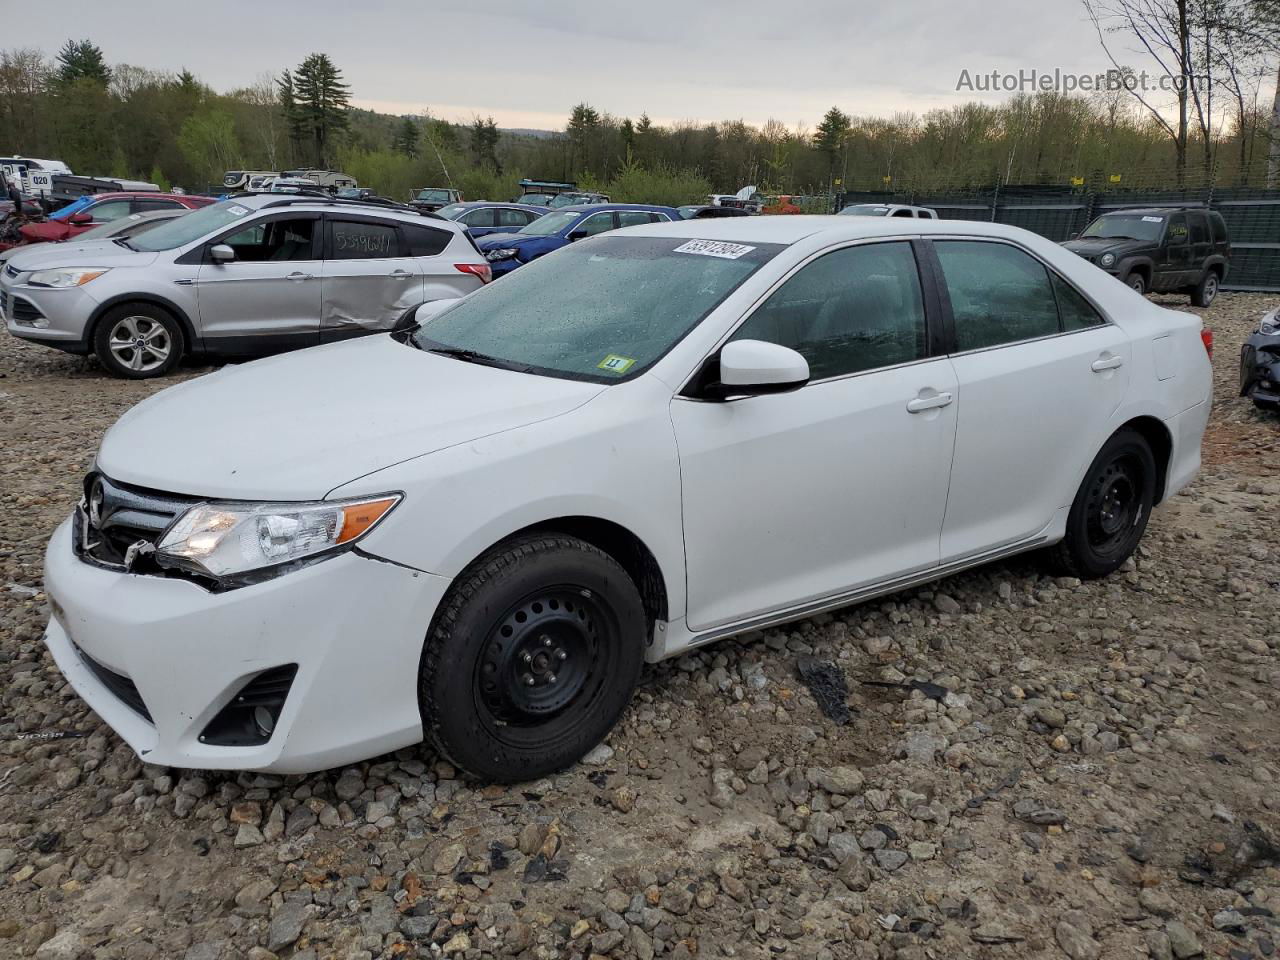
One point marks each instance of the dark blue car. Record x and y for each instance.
(506, 251)
(483, 217)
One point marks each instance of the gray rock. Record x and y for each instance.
(286, 925)
(1074, 934)
(64, 945)
(209, 950)
(599, 755)
(1182, 941)
(890, 860)
(944, 603)
(842, 781)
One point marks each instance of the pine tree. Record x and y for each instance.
(82, 60)
(406, 138)
(583, 124)
(831, 136)
(292, 117)
(320, 103)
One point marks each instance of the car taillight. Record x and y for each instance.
(480, 270)
(1206, 337)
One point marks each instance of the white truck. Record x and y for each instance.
(33, 175)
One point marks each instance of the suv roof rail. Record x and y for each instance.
(289, 199)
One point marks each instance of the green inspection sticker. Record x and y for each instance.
(616, 364)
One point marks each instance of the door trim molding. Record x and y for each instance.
(868, 592)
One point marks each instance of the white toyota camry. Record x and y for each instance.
(475, 530)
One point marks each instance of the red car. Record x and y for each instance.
(91, 210)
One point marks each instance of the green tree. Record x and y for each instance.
(484, 143)
(208, 141)
(82, 60)
(406, 138)
(320, 101)
(159, 179)
(831, 136)
(584, 123)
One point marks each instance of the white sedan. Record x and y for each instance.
(475, 530)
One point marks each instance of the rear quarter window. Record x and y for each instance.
(425, 241)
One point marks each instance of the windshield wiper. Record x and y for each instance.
(124, 242)
(475, 356)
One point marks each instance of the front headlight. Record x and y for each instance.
(65, 276)
(502, 254)
(1270, 324)
(225, 539)
(1107, 259)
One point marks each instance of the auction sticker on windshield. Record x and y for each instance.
(1153, 219)
(714, 248)
(238, 210)
(616, 364)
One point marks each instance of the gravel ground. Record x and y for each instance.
(1093, 775)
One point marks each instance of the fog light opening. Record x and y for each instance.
(264, 720)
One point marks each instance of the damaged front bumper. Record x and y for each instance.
(1260, 364)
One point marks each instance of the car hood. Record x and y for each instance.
(91, 253)
(296, 426)
(1097, 246)
(495, 241)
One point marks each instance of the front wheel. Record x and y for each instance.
(532, 658)
(1136, 282)
(138, 341)
(1111, 509)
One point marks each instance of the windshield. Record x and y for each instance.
(75, 206)
(549, 223)
(569, 199)
(537, 199)
(866, 210)
(435, 196)
(452, 212)
(1131, 226)
(111, 228)
(191, 226)
(602, 309)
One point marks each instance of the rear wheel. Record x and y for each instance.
(1136, 282)
(1206, 290)
(138, 341)
(1111, 509)
(532, 659)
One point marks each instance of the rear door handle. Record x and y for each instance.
(932, 402)
(1106, 362)
(298, 275)
(400, 273)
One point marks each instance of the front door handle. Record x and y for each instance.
(1108, 361)
(298, 275)
(931, 402)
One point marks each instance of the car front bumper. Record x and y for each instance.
(54, 317)
(353, 624)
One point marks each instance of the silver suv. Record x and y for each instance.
(247, 276)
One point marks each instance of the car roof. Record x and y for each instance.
(314, 203)
(793, 229)
(497, 203)
(595, 207)
(1165, 210)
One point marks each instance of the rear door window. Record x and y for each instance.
(515, 218)
(108, 210)
(362, 240)
(998, 294)
(632, 218)
(596, 223)
(144, 204)
(1199, 228)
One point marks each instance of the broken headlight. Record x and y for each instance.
(1270, 324)
(222, 540)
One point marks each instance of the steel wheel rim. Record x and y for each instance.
(1137, 284)
(544, 657)
(1115, 504)
(140, 344)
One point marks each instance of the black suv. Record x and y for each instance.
(1160, 249)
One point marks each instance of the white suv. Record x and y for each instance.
(477, 529)
(248, 276)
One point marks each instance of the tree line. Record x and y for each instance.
(171, 128)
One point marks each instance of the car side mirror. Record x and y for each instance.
(221, 253)
(1074, 236)
(577, 234)
(82, 218)
(752, 367)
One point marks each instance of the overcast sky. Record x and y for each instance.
(528, 64)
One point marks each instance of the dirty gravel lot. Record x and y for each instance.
(1097, 780)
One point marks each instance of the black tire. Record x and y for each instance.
(1136, 282)
(138, 341)
(1206, 290)
(550, 609)
(1110, 511)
